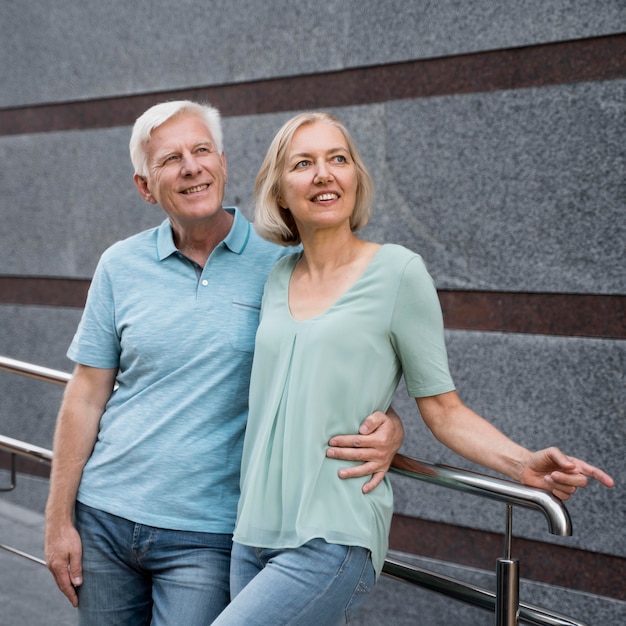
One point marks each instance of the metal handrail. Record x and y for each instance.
(466, 481)
(34, 371)
(14, 446)
(470, 594)
(559, 522)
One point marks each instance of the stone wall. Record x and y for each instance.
(494, 132)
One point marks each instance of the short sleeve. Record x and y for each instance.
(96, 342)
(417, 333)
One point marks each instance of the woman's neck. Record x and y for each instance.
(326, 251)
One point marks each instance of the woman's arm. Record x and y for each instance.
(471, 436)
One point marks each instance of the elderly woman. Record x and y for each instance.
(341, 321)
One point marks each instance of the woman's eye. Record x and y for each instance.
(340, 158)
(302, 163)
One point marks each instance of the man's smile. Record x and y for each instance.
(195, 189)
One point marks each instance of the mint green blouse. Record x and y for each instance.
(321, 377)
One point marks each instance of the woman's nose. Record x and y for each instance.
(322, 173)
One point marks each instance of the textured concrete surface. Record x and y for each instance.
(517, 190)
(28, 593)
(39, 335)
(77, 50)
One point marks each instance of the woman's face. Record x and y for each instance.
(319, 182)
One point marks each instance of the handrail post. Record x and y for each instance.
(11, 487)
(507, 592)
(507, 579)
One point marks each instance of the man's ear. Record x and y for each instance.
(225, 166)
(141, 182)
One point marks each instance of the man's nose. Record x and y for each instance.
(190, 165)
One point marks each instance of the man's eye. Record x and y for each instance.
(170, 158)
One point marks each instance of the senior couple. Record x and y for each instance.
(146, 489)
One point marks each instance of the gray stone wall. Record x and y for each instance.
(75, 49)
(519, 190)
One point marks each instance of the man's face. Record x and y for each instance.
(186, 174)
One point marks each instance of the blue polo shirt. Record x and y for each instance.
(169, 446)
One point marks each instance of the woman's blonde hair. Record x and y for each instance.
(275, 223)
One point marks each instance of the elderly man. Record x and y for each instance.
(145, 479)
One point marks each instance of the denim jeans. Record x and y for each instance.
(135, 574)
(316, 584)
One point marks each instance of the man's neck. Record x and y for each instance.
(198, 239)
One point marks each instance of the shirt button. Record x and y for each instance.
(205, 282)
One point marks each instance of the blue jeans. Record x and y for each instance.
(135, 574)
(317, 583)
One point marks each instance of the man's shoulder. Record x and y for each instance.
(132, 247)
(132, 241)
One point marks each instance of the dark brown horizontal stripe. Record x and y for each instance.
(23, 466)
(601, 58)
(585, 571)
(578, 315)
(62, 292)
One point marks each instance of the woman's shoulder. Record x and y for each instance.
(285, 265)
(395, 253)
(403, 267)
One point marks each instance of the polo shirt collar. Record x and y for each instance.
(239, 234)
(235, 240)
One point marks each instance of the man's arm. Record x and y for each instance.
(76, 431)
(380, 437)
